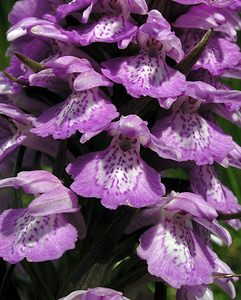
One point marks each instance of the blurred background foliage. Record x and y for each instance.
(230, 177)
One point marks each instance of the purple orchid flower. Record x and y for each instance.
(15, 131)
(117, 174)
(30, 8)
(196, 292)
(233, 4)
(196, 138)
(87, 109)
(115, 24)
(204, 182)
(172, 247)
(206, 17)
(234, 157)
(41, 231)
(14, 128)
(232, 116)
(147, 73)
(204, 292)
(97, 293)
(211, 90)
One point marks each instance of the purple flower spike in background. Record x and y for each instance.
(39, 232)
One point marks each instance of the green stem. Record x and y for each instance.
(230, 216)
(6, 282)
(160, 291)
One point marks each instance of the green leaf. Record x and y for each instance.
(185, 65)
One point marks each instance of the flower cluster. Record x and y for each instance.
(101, 99)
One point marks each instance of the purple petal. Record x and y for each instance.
(108, 29)
(33, 182)
(196, 292)
(97, 293)
(157, 28)
(132, 127)
(28, 8)
(47, 79)
(10, 143)
(116, 176)
(65, 66)
(234, 157)
(232, 116)
(221, 3)
(64, 9)
(56, 201)
(143, 75)
(206, 17)
(194, 137)
(15, 113)
(214, 92)
(204, 181)
(224, 283)
(175, 254)
(88, 112)
(217, 229)
(50, 30)
(20, 28)
(163, 150)
(34, 238)
(193, 204)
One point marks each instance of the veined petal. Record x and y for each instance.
(10, 143)
(98, 293)
(15, 113)
(232, 116)
(175, 254)
(234, 157)
(88, 112)
(204, 181)
(58, 200)
(116, 176)
(47, 79)
(20, 28)
(220, 3)
(205, 17)
(33, 182)
(196, 292)
(64, 9)
(28, 8)
(193, 204)
(194, 137)
(50, 30)
(34, 238)
(108, 29)
(217, 229)
(143, 75)
(215, 92)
